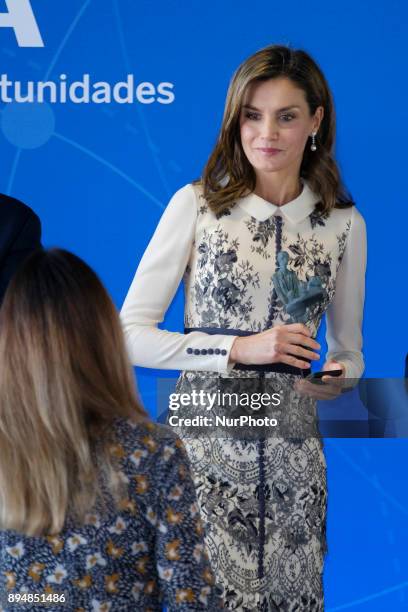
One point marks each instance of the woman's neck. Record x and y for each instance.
(278, 191)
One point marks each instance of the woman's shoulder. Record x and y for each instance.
(347, 214)
(351, 214)
(357, 216)
(145, 442)
(183, 204)
(188, 192)
(136, 429)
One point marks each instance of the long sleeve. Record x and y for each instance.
(155, 283)
(183, 568)
(345, 313)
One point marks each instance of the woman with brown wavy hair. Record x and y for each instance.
(268, 241)
(97, 507)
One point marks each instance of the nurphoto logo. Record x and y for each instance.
(21, 18)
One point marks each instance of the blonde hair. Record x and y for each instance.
(228, 175)
(64, 379)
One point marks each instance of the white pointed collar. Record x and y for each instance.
(294, 211)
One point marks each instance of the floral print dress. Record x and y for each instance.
(263, 501)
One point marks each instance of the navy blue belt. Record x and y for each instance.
(280, 368)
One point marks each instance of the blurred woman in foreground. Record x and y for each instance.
(97, 507)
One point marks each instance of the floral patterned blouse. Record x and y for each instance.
(149, 551)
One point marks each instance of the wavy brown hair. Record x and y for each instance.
(64, 379)
(228, 159)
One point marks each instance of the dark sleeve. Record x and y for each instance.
(185, 576)
(27, 240)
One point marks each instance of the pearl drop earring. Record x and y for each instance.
(313, 145)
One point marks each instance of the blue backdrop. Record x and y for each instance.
(99, 175)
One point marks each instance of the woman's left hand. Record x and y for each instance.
(334, 365)
(331, 385)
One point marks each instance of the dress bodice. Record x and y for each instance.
(229, 279)
(253, 267)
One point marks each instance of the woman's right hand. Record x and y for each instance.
(289, 344)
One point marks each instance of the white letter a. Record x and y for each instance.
(21, 18)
